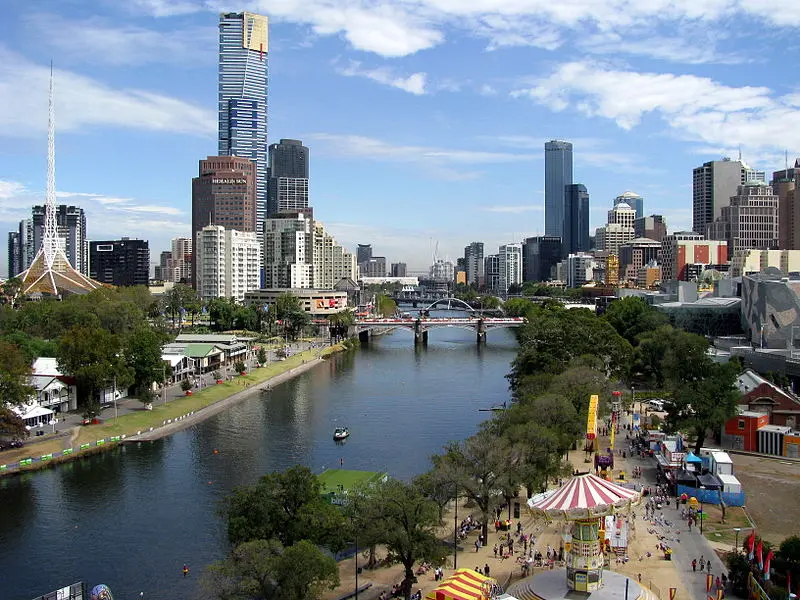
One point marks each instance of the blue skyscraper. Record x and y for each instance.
(576, 220)
(634, 200)
(557, 175)
(243, 45)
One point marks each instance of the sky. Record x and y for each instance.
(426, 119)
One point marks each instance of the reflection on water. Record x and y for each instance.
(131, 517)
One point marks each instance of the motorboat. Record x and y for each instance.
(341, 433)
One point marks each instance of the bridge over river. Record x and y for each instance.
(421, 325)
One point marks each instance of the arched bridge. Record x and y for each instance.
(421, 325)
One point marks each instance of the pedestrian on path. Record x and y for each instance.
(495, 550)
(702, 564)
(694, 565)
(708, 567)
(486, 569)
(477, 545)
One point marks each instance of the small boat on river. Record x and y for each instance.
(341, 433)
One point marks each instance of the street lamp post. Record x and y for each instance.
(702, 511)
(455, 534)
(736, 543)
(355, 559)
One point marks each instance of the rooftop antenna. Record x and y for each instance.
(786, 159)
(740, 153)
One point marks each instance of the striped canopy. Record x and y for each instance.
(464, 584)
(587, 496)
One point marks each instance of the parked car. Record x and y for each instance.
(657, 404)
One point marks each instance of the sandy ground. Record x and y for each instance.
(656, 572)
(772, 487)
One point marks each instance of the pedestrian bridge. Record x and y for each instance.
(420, 326)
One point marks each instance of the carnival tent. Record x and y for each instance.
(691, 457)
(464, 584)
(585, 496)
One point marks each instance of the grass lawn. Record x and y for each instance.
(143, 420)
(717, 531)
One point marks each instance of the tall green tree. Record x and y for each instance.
(265, 570)
(143, 358)
(11, 425)
(408, 524)
(632, 316)
(517, 307)
(221, 311)
(15, 372)
(481, 467)
(94, 357)
(286, 506)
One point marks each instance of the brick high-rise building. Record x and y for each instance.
(785, 185)
(653, 227)
(681, 249)
(750, 221)
(224, 194)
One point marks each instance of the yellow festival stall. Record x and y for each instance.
(464, 584)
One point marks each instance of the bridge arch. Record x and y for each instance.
(450, 302)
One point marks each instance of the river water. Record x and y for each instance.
(131, 518)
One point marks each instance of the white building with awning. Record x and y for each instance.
(34, 415)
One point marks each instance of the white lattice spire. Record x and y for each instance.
(50, 235)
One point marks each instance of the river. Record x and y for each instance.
(131, 518)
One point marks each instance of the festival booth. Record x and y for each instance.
(465, 584)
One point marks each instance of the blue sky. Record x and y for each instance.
(426, 119)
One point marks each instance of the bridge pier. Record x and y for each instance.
(363, 336)
(421, 337)
(481, 329)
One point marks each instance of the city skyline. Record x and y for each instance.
(437, 138)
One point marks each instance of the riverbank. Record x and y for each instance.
(163, 419)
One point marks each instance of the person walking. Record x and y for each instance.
(495, 550)
(694, 565)
(486, 569)
(702, 564)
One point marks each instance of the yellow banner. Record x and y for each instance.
(591, 422)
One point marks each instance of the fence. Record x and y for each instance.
(713, 496)
(13, 467)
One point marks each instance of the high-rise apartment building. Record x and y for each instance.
(682, 249)
(653, 227)
(332, 262)
(228, 262)
(632, 199)
(509, 266)
(473, 263)
(575, 234)
(289, 251)
(242, 94)
(618, 231)
(398, 269)
(785, 186)
(287, 194)
(580, 269)
(161, 272)
(375, 266)
(713, 185)
(491, 272)
(288, 158)
(750, 221)
(122, 262)
(557, 176)
(71, 223)
(14, 254)
(225, 193)
(636, 254)
(539, 255)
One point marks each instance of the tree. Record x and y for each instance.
(265, 570)
(12, 425)
(632, 316)
(221, 311)
(481, 466)
(93, 357)
(489, 302)
(287, 506)
(408, 523)
(239, 367)
(186, 385)
(262, 355)
(289, 310)
(10, 290)
(517, 307)
(15, 372)
(435, 486)
(143, 357)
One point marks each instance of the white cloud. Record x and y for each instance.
(101, 41)
(413, 84)
(693, 48)
(697, 109)
(82, 102)
(403, 27)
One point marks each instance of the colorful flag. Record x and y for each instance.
(720, 594)
(770, 554)
(751, 543)
(760, 554)
(709, 583)
(672, 592)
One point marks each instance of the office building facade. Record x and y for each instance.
(398, 269)
(225, 193)
(242, 95)
(228, 262)
(682, 249)
(491, 272)
(287, 194)
(539, 256)
(785, 187)
(473, 263)
(442, 270)
(636, 254)
(632, 199)
(123, 262)
(653, 227)
(363, 253)
(750, 221)
(287, 186)
(14, 254)
(557, 176)
(71, 223)
(375, 266)
(713, 185)
(332, 262)
(576, 220)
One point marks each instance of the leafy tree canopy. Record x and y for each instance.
(15, 372)
(632, 316)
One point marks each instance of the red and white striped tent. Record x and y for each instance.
(586, 496)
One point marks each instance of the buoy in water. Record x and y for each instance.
(216, 451)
